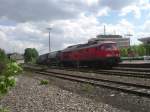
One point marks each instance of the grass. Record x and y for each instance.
(44, 82)
(87, 88)
(2, 109)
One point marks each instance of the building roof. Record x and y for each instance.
(16, 56)
(109, 36)
(145, 40)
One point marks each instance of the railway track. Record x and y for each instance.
(127, 87)
(117, 71)
(132, 69)
(131, 88)
(124, 73)
(135, 65)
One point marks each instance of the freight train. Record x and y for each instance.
(89, 54)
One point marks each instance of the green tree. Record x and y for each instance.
(138, 50)
(123, 52)
(141, 50)
(147, 48)
(3, 56)
(3, 60)
(30, 55)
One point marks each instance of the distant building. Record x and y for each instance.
(121, 42)
(145, 40)
(17, 57)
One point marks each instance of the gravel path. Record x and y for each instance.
(30, 96)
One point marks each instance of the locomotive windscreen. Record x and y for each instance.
(109, 46)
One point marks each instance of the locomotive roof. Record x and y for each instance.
(87, 45)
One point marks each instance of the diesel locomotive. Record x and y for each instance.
(89, 54)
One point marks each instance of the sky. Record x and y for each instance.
(24, 23)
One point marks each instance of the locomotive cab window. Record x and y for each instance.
(109, 47)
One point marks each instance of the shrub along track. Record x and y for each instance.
(131, 88)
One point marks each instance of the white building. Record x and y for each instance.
(121, 42)
(145, 40)
(17, 57)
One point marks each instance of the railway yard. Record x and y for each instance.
(124, 88)
(74, 56)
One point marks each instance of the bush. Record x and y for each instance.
(7, 77)
(3, 56)
(12, 69)
(4, 110)
(2, 67)
(8, 70)
(6, 83)
(87, 88)
(44, 82)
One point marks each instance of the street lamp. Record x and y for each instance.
(49, 29)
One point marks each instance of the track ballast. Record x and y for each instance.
(131, 88)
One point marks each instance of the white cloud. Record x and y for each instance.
(117, 4)
(37, 10)
(126, 25)
(146, 25)
(63, 33)
(103, 12)
(131, 9)
(136, 8)
(19, 37)
(144, 5)
(92, 2)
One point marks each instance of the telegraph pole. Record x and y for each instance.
(49, 42)
(49, 30)
(104, 30)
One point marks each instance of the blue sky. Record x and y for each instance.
(23, 23)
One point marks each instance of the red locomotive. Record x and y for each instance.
(90, 54)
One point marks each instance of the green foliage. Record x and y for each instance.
(147, 48)
(44, 82)
(30, 55)
(2, 67)
(12, 69)
(123, 52)
(7, 77)
(3, 60)
(3, 56)
(138, 50)
(4, 110)
(8, 70)
(87, 88)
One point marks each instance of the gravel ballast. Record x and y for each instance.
(30, 96)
